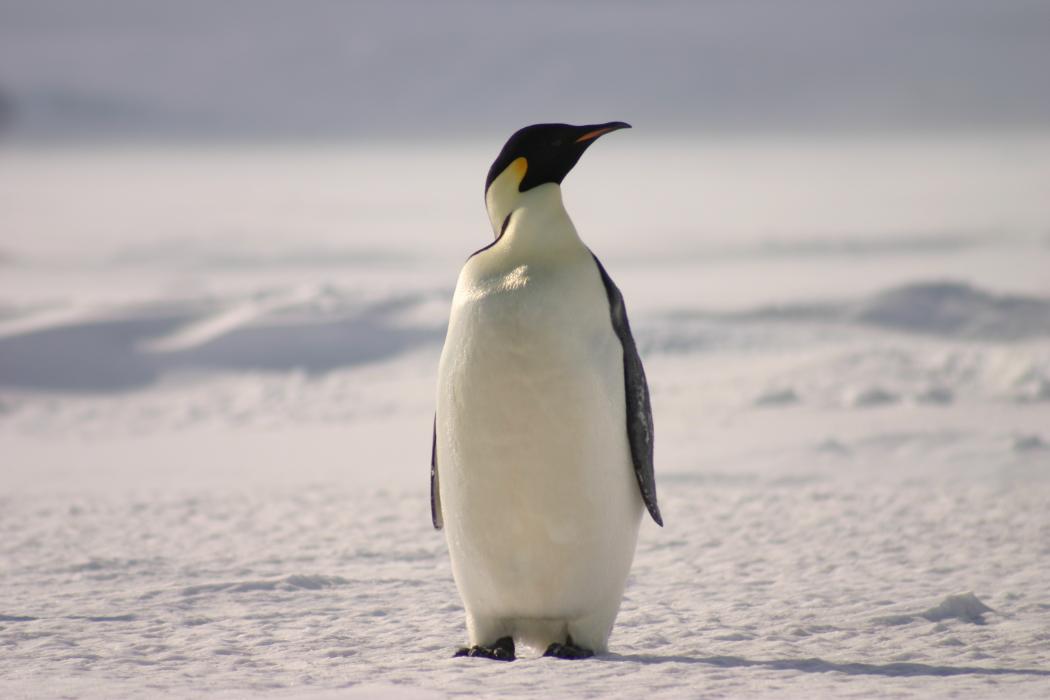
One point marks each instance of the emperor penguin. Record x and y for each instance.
(542, 458)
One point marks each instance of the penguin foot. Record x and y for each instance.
(568, 650)
(502, 650)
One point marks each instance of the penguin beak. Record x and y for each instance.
(593, 131)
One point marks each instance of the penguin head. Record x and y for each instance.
(537, 155)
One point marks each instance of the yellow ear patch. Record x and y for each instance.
(594, 134)
(519, 166)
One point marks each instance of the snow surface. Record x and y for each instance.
(216, 393)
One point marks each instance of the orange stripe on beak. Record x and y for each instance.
(595, 134)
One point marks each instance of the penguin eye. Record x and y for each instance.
(556, 142)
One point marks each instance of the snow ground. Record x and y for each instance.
(215, 410)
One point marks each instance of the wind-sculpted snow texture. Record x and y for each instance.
(213, 480)
(757, 585)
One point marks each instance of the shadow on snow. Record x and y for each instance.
(813, 665)
(110, 355)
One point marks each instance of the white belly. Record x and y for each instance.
(540, 503)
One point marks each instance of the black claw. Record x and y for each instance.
(502, 650)
(568, 650)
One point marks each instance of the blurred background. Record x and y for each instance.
(314, 71)
(283, 192)
(229, 235)
(275, 193)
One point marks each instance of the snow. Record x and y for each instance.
(965, 607)
(215, 422)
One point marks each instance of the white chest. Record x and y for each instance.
(531, 337)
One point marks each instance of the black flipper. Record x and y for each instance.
(639, 411)
(435, 495)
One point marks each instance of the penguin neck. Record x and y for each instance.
(537, 220)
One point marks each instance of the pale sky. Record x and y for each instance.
(315, 69)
